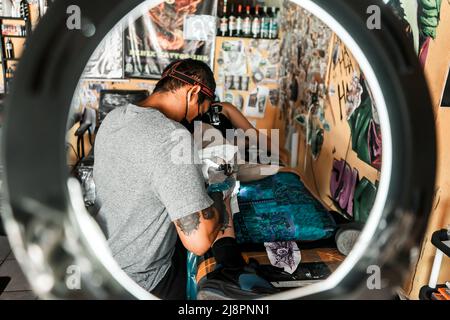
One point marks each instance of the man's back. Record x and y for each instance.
(141, 191)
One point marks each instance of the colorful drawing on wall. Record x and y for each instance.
(170, 31)
(365, 129)
(354, 93)
(420, 19)
(344, 90)
(349, 92)
(429, 17)
(107, 60)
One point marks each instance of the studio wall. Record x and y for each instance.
(314, 64)
(436, 67)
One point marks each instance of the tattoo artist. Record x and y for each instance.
(151, 209)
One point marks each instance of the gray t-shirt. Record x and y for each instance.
(141, 189)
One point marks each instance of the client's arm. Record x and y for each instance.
(239, 121)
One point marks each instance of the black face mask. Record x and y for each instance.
(185, 123)
(213, 117)
(189, 126)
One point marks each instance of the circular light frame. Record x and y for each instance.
(53, 236)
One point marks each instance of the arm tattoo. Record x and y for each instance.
(189, 223)
(208, 214)
(219, 205)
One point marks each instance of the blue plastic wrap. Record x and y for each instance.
(280, 208)
(191, 286)
(227, 185)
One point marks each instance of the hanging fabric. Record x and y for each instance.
(342, 186)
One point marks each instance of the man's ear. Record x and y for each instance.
(194, 93)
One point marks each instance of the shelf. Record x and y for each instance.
(244, 38)
(12, 18)
(237, 91)
(12, 36)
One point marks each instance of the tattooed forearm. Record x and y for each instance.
(189, 224)
(219, 205)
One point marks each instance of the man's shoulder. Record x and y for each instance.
(143, 125)
(156, 125)
(160, 126)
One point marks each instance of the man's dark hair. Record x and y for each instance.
(198, 70)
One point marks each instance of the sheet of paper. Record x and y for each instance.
(285, 255)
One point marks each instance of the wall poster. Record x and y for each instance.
(172, 30)
(107, 60)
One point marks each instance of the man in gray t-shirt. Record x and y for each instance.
(141, 191)
(151, 191)
(147, 198)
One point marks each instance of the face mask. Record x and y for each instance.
(185, 123)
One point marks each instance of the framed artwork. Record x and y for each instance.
(172, 30)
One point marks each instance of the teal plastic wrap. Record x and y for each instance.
(191, 286)
(280, 208)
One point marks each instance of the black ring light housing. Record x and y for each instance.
(45, 218)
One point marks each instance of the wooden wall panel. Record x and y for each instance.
(436, 69)
(316, 174)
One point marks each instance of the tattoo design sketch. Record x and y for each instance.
(285, 255)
